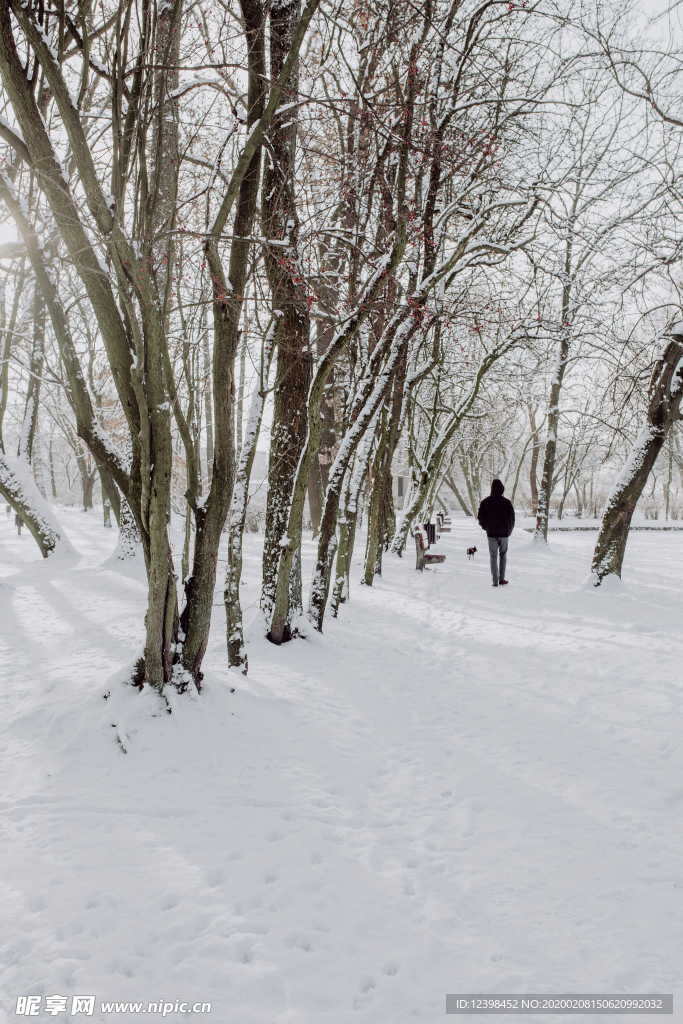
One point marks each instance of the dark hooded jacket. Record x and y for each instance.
(496, 514)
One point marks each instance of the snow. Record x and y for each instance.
(455, 788)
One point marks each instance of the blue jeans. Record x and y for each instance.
(498, 546)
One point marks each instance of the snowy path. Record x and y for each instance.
(454, 789)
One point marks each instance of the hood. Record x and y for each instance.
(497, 488)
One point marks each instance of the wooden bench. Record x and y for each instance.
(423, 556)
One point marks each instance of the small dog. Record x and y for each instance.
(471, 552)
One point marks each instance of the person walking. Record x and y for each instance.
(497, 516)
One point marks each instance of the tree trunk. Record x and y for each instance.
(20, 492)
(294, 359)
(208, 404)
(187, 537)
(472, 493)
(87, 475)
(553, 417)
(367, 406)
(228, 301)
(373, 544)
(279, 627)
(237, 653)
(664, 400)
(30, 419)
(6, 331)
(239, 405)
(550, 451)
(450, 480)
(381, 532)
(51, 464)
(347, 525)
(110, 493)
(129, 541)
(88, 484)
(533, 463)
(315, 495)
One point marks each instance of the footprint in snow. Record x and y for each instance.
(366, 986)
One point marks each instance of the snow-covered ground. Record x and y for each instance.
(454, 789)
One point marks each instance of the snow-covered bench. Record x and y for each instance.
(424, 556)
(445, 522)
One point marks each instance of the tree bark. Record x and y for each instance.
(373, 545)
(237, 653)
(292, 341)
(129, 542)
(315, 495)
